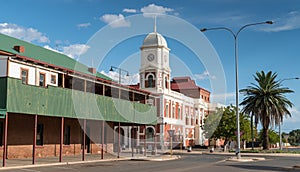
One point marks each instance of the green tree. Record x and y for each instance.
(267, 102)
(273, 136)
(222, 124)
(294, 137)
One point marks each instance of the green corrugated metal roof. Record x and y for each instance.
(38, 53)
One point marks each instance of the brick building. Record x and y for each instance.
(52, 105)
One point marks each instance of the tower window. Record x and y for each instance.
(150, 81)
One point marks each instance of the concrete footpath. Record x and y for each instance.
(89, 158)
(127, 155)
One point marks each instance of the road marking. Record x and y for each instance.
(30, 170)
(66, 168)
(220, 161)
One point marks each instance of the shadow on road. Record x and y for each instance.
(261, 168)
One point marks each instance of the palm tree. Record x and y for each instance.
(266, 101)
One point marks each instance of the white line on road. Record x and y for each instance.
(30, 170)
(67, 168)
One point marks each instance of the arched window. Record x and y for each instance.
(150, 134)
(150, 81)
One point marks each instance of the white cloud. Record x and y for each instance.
(155, 10)
(204, 75)
(228, 18)
(52, 49)
(126, 80)
(115, 21)
(83, 25)
(291, 123)
(26, 34)
(75, 50)
(290, 21)
(128, 10)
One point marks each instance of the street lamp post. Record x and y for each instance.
(112, 68)
(235, 36)
(279, 127)
(171, 134)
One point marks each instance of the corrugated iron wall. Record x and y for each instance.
(55, 101)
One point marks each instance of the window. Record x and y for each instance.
(24, 76)
(166, 82)
(42, 80)
(67, 134)
(167, 111)
(53, 79)
(173, 112)
(150, 81)
(186, 120)
(150, 134)
(179, 113)
(40, 134)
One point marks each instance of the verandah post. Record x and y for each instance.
(5, 140)
(34, 138)
(61, 138)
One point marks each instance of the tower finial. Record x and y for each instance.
(154, 23)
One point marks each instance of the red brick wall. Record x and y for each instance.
(21, 132)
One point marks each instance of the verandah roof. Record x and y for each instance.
(62, 102)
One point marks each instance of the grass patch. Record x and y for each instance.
(268, 151)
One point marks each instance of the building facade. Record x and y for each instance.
(183, 105)
(51, 105)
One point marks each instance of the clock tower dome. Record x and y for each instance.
(155, 68)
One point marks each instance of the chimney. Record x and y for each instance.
(92, 70)
(19, 48)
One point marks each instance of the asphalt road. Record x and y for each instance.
(189, 163)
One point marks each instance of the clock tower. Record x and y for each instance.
(155, 68)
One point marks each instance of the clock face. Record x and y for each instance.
(150, 57)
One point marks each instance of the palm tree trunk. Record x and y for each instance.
(265, 142)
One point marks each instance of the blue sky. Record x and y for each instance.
(67, 25)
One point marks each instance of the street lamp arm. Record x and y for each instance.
(235, 35)
(112, 68)
(219, 28)
(252, 24)
(281, 80)
(120, 69)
